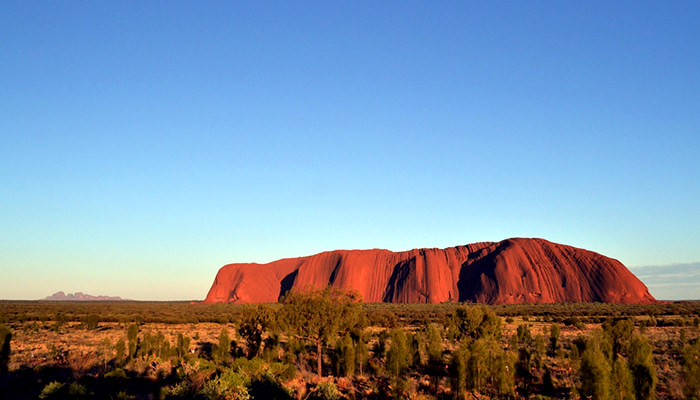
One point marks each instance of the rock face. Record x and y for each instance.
(511, 271)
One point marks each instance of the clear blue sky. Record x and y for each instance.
(146, 144)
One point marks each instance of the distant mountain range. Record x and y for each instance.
(80, 296)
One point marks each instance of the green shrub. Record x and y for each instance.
(179, 391)
(52, 390)
(230, 385)
(117, 374)
(325, 390)
(57, 390)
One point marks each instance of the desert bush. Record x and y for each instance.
(230, 385)
(475, 322)
(325, 390)
(91, 321)
(57, 390)
(5, 338)
(267, 387)
(117, 374)
(383, 318)
(179, 391)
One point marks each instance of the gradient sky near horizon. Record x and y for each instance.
(143, 145)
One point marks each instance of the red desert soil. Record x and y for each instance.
(511, 271)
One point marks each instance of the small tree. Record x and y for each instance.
(132, 335)
(254, 322)
(690, 364)
(319, 315)
(554, 332)
(523, 334)
(5, 338)
(348, 355)
(457, 371)
(182, 346)
(540, 350)
(120, 348)
(222, 351)
(434, 348)
(417, 343)
(398, 357)
(621, 381)
(594, 372)
(361, 354)
(504, 375)
(620, 334)
(642, 366)
(478, 365)
(344, 356)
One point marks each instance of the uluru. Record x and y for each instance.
(517, 270)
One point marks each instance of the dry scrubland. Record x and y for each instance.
(143, 350)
